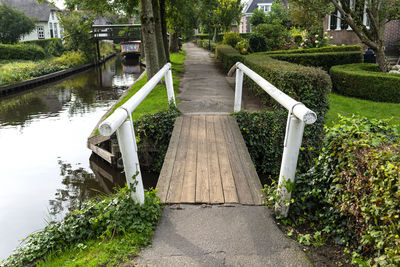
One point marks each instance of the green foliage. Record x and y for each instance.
(243, 46)
(258, 17)
(20, 71)
(206, 44)
(52, 46)
(257, 43)
(13, 24)
(27, 52)
(326, 49)
(264, 132)
(276, 35)
(322, 60)
(365, 81)
(231, 38)
(353, 190)
(154, 132)
(227, 55)
(102, 219)
(77, 27)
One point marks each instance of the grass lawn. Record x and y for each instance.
(157, 100)
(348, 106)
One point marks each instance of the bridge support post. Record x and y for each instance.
(293, 138)
(170, 86)
(238, 90)
(127, 144)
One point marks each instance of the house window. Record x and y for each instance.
(55, 30)
(333, 20)
(40, 31)
(52, 15)
(266, 8)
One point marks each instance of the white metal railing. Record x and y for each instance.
(121, 122)
(298, 116)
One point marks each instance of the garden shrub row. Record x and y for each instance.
(264, 132)
(220, 36)
(18, 51)
(227, 55)
(322, 60)
(52, 46)
(366, 81)
(325, 49)
(353, 192)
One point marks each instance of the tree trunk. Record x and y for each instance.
(162, 59)
(174, 43)
(214, 39)
(381, 59)
(164, 28)
(149, 38)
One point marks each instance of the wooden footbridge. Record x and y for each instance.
(207, 160)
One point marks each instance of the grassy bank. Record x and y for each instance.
(104, 232)
(157, 100)
(13, 71)
(347, 106)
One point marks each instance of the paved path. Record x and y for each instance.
(216, 235)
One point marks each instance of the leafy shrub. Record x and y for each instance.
(55, 47)
(326, 49)
(275, 35)
(257, 43)
(231, 38)
(71, 59)
(366, 81)
(242, 46)
(227, 55)
(353, 190)
(310, 86)
(96, 219)
(323, 60)
(26, 52)
(154, 132)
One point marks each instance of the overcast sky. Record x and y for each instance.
(59, 4)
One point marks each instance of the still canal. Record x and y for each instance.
(45, 167)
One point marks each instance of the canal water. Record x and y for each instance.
(46, 168)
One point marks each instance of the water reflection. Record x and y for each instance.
(43, 136)
(80, 185)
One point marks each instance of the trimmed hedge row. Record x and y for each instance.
(227, 55)
(322, 60)
(220, 36)
(342, 48)
(27, 52)
(366, 81)
(264, 132)
(44, 43)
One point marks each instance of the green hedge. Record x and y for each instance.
(227, 55)
(220, 36)
(26, 52)
(264, 132)
(322, 60)
(44, 43)
(366, 81)
(352, 193)
(343, 48)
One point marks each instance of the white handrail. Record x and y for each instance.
(298, 115)
(120, 121)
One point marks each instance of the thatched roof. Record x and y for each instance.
(32, 9)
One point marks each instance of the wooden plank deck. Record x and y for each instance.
(207, 162)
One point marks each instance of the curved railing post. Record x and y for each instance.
(298, 116)
(120, 121)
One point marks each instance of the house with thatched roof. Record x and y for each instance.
(45, 15)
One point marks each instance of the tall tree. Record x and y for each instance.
(379, 12)
(13, 24)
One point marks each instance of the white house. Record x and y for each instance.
(45, 14)
(248, 10)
